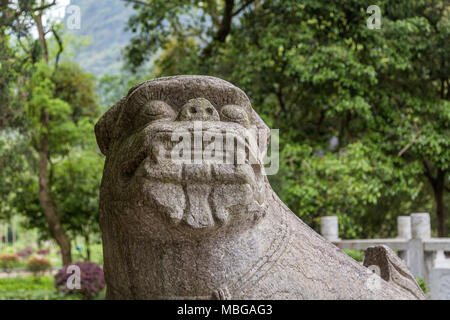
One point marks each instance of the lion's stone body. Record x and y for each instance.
(206, 230)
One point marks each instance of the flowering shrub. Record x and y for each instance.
(43, 252)
(8, 261)
(25, 253)
(38, 265)
(92, 279)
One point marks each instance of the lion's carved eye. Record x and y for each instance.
(154, 110)
(234, 113)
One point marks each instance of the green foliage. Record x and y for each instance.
(58, 108)
(76, 88)
(67, 94)
(358, 255)
(14, 174)
(111, 88)
(14, 67)
(76, 165)
(10, 73)
(348, 184)
(77, 181)
(68, 97)
(423, 285)
(30, 288)
(315, 71)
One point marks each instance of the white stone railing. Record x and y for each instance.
(423, 255)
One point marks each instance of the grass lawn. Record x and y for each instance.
(31, 288)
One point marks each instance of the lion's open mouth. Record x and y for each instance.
(192, 178)
(184, 157)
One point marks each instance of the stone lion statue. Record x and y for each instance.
(176, 225)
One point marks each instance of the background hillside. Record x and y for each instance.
(103, 21)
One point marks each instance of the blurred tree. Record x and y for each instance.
(9, 76)
(415, 72)
(111, 88)
(74, 165)
(196, 26)
(15, 156)
(59, 107)
(75, 181)
(13, 65)
(41, 106)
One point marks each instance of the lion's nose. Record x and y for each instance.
(198, 109)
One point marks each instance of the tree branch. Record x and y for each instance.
(405, 148)
(60, 46)
(138, 2)
(224, 28)
(225, 24)
(242, 7)
(45, 6)
(428, 173)
(213, 12)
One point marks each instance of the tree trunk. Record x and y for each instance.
(6, 235)
(45, 198)
(88, 249)
(40, 28)
(223, 30)
(225, 25)
(13, 233)
(439, 189)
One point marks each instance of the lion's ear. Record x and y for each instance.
(104, 128)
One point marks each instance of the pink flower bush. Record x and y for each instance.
(92, 279)
(38, 265)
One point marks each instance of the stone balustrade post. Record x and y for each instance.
(404, 227)
(404, 232)
(329, 228)
(420, 231)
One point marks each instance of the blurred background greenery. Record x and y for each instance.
(363, 113)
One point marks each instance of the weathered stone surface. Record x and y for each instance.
(206, 230)
(392, 269)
